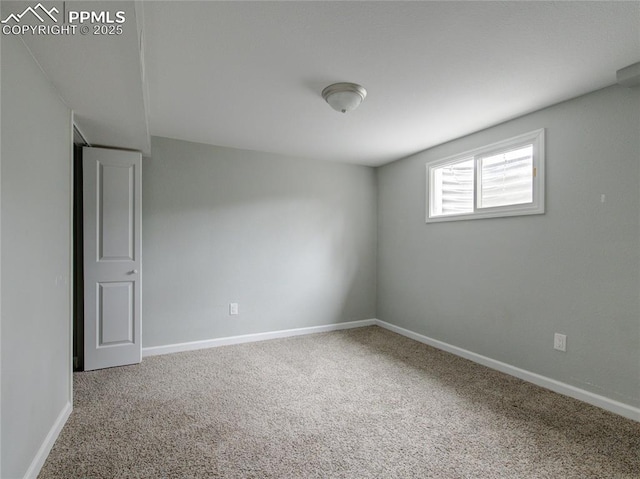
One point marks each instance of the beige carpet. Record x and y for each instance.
(362, 403)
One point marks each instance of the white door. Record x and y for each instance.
(112, 247)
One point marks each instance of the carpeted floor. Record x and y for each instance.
(360, 403)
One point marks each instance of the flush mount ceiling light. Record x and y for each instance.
(344, 97)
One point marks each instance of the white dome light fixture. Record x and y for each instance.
(344, 97)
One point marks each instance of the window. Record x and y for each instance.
(503, 179)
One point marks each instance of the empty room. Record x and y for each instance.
(319, 239)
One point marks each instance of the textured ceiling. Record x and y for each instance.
(249, 74)
(98, 76)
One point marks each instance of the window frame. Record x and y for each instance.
(537, 206)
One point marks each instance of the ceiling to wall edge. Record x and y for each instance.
(627, 76)
(139, 12)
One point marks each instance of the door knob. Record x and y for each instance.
(133, 271)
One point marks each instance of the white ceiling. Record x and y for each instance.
(98, 76)
(249, 74)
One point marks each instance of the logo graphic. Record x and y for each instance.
(36, 20)
(34, 10)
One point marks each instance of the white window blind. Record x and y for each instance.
(454, 187)
(502, 179)
(506, 178)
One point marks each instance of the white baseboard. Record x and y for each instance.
(603, 402)
(250, 338)
(47, 444)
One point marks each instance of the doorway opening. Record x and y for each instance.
(78, 256)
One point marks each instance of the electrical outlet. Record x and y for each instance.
(233, 309)
(560, 342)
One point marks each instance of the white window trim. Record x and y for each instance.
(536, 207)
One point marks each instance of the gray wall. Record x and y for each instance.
(36, 342)
(292, 241)
(502, 287)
